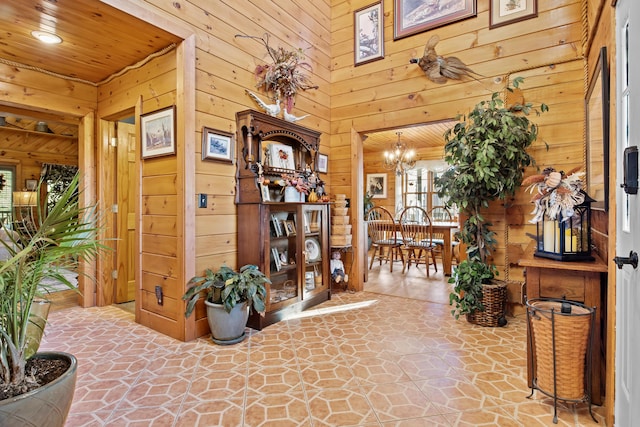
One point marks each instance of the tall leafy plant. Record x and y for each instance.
(54, 244)
(487, 154)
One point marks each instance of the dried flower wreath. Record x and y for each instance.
(286, 75)
(556, 193)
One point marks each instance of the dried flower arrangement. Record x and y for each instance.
(556, 193)
(286, 75)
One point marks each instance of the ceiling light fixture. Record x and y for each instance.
(45, 37)
(400, 158)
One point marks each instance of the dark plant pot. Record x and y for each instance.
(47, 406)
(227, 328)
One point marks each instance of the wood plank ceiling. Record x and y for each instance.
(423, 138)
(98, 41)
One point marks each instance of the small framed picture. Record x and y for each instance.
(158, 132)
(264, 189)
(504, 12)
(281, 156)
(31, 184)
(323, 163)
(377, 185)
(369, 33)
(217, 145)
(289, 227)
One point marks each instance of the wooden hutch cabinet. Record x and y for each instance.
(288, 241)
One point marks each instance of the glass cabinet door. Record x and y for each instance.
(283, 248)
(314, 249)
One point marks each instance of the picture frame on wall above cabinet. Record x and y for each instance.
(409, 19)
(505, 12)
(369, 33)
(597, 132)
(323, 163)
(217, 145)
(158, 132)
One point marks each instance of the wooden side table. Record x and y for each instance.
(576, 281)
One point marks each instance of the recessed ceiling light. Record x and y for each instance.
(45, 37)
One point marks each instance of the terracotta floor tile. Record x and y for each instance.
(392, 356)
(344, 407)
(277, 410)
(397, 401)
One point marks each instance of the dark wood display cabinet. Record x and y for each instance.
(288, 241)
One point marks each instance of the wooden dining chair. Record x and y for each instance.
(417, 237)
(442, 213)
(382, 229)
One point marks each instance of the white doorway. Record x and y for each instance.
(627, 380)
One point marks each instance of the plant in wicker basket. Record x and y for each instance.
(487, 154)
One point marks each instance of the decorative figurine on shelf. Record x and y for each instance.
(337, 268)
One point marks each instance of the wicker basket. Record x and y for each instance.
(571, 341)
(494, 300)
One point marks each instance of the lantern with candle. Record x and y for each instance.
(562, 214)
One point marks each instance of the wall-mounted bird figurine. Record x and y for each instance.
(437, 68)
(270, 109)
(291, 118)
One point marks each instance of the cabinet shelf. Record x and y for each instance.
(35, 132)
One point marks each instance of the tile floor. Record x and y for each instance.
(389, 356)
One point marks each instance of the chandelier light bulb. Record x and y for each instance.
(400, 158)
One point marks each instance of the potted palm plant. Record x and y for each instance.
(230, 296)
(50, 246)
(487, 154)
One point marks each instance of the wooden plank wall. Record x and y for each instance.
(601, 32)
(392, 93)
(225, 67)
(149, 88)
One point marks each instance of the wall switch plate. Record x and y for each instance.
(202, 200)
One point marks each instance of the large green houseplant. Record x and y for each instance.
(487, 154)
(229, 297)
(42, 250)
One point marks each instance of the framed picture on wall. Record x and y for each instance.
(369, 33)
(31, 184)
(158, 132)
(323, 163)
(217, 145)
(505, 12)
(412, 17)
(377, 185)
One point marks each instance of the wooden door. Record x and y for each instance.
(125, 218)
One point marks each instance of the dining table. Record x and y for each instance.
(447, 229)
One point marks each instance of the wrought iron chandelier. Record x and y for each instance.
(400, 157)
